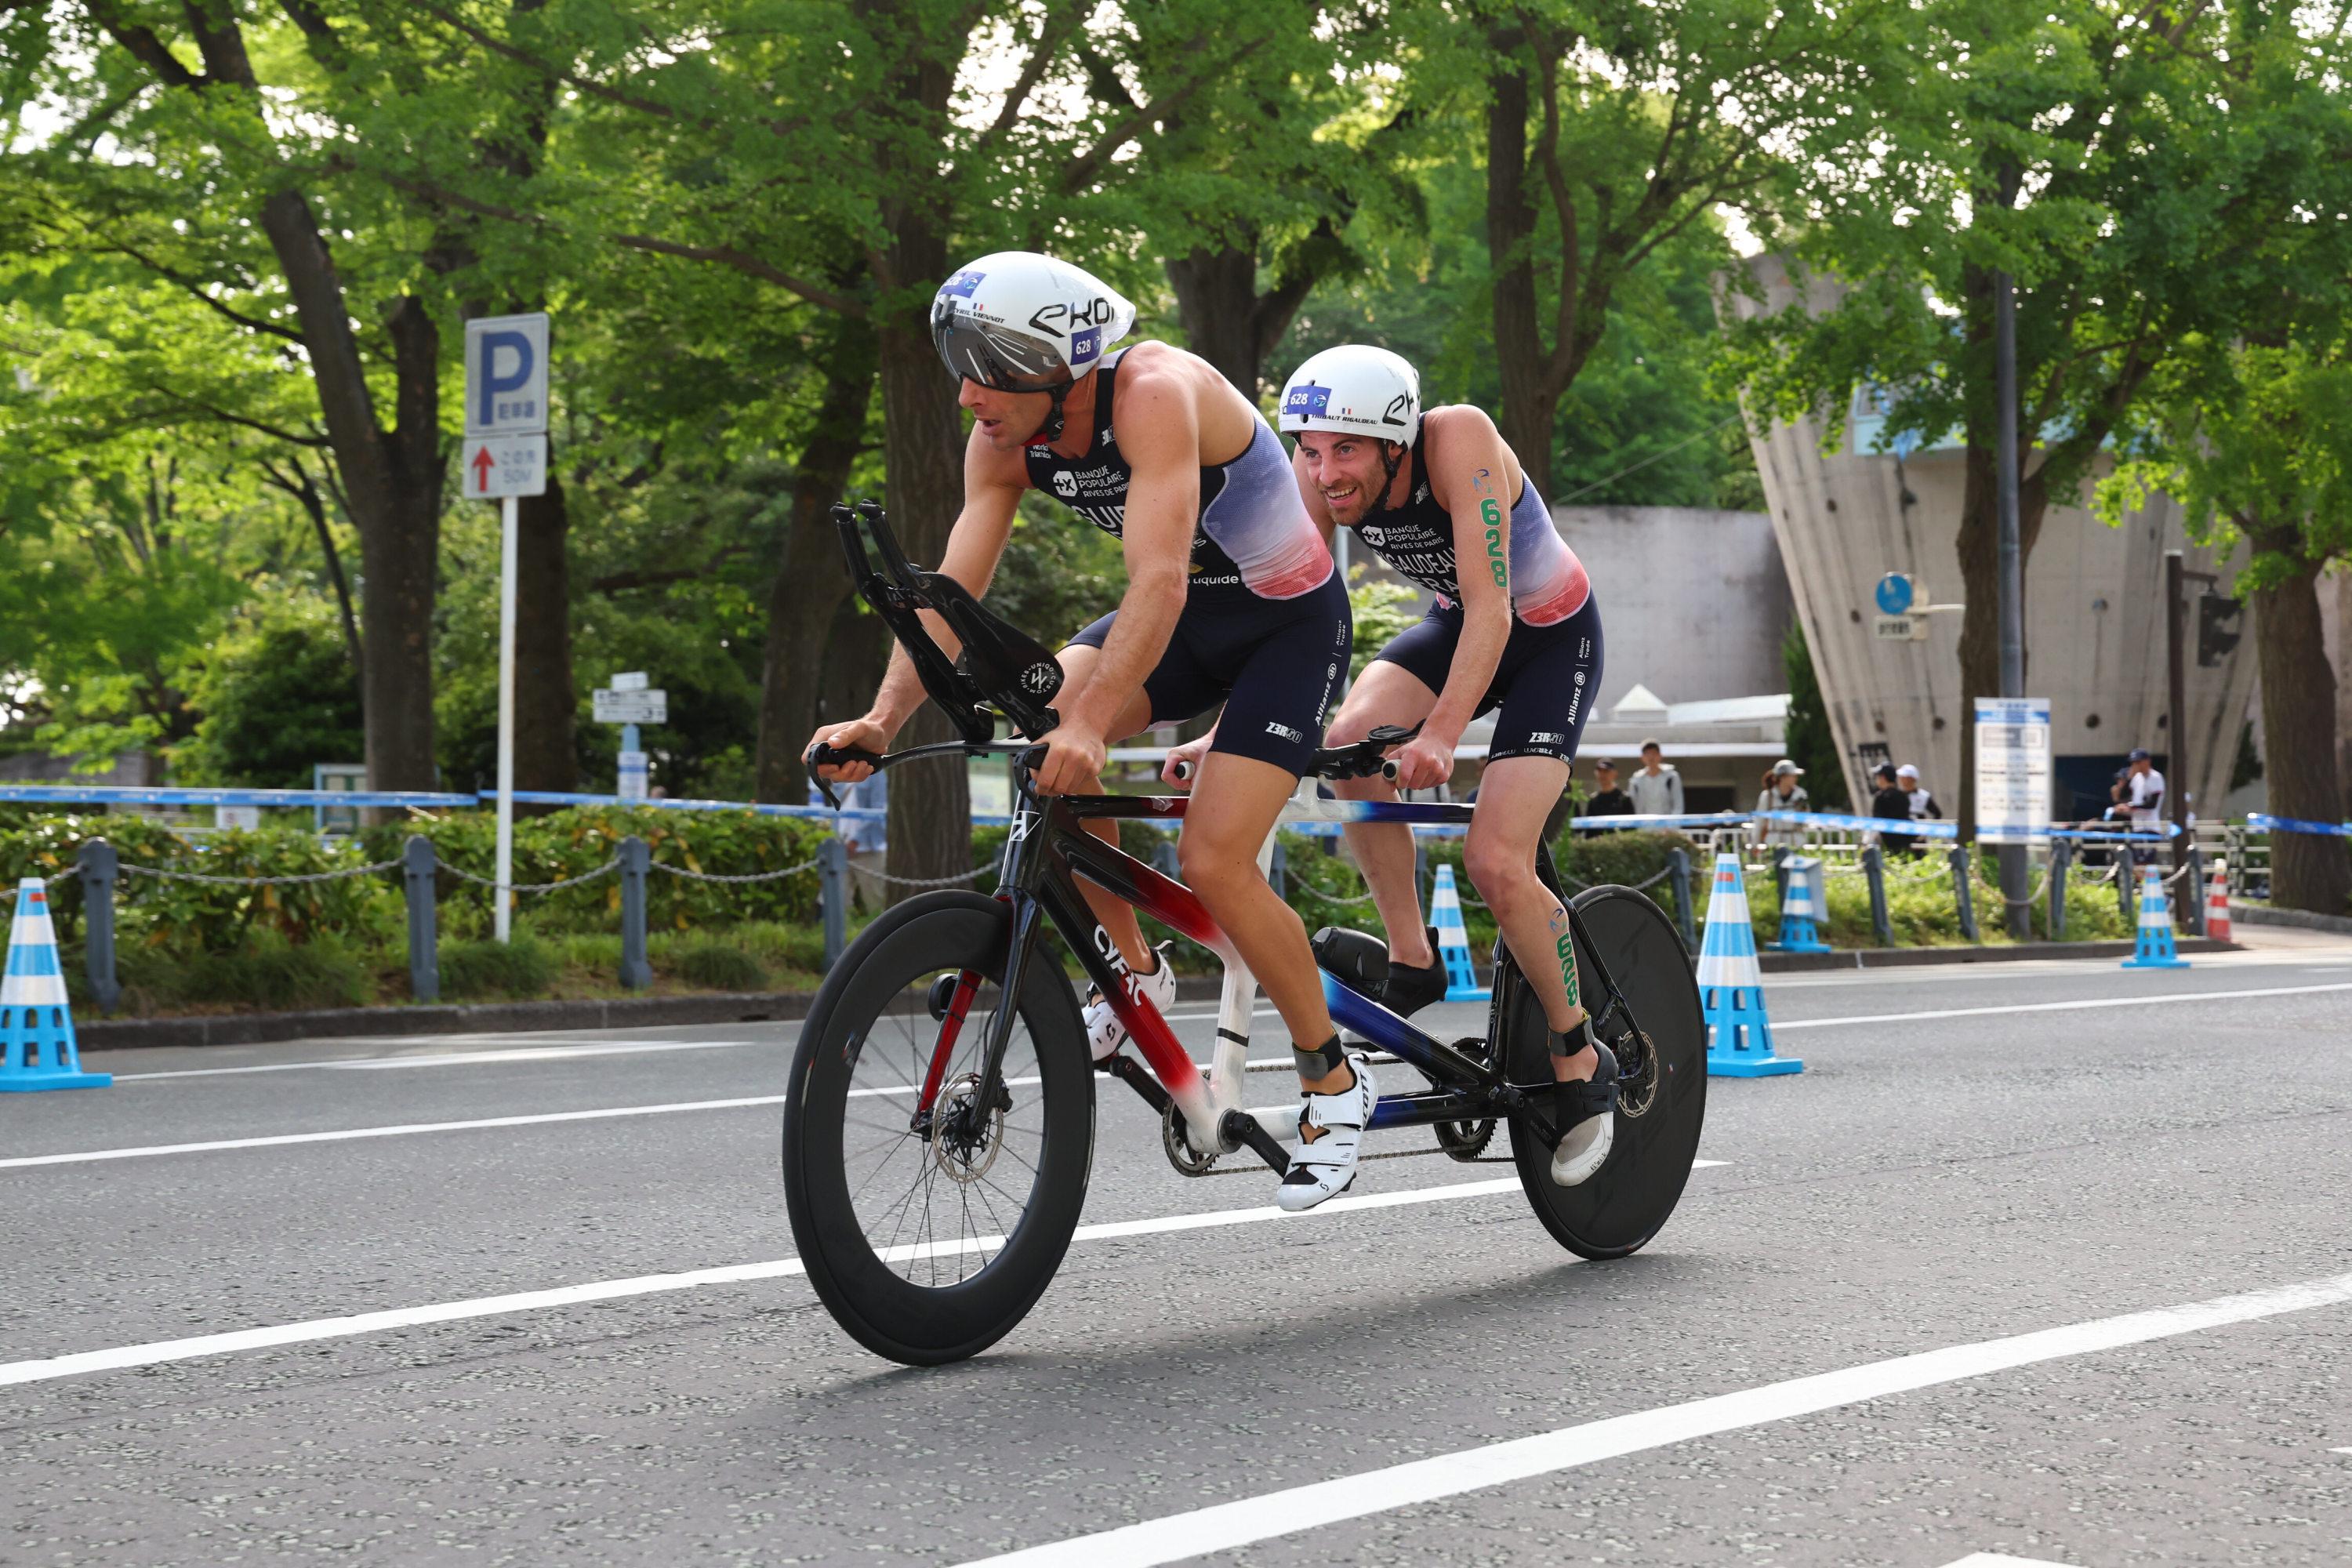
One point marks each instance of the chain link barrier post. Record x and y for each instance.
(99, 869)
(1963, 895)
(1873, 870)
(636, 973)
(417, 867)
(1678, 867)
(1164, 858)
(2191, 904)
(1421, 889)
(1277, 872)
(2062, 857)
(2127, 887)
(833, 897)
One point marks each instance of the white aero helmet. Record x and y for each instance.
(1019, 322)
(1355, 390)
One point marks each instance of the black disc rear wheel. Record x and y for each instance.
(1662, 1095)
(929, 1232)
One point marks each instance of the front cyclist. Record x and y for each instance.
(1442, 499)
(1231, 598)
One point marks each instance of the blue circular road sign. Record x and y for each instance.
(1893, 594)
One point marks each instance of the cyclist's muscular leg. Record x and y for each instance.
(1385, 694)
(1115, 914)
(1500, 856)
(1234, 807)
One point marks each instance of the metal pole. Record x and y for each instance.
(100, 868)
(1963, 893)
(833, 897)
(636, 859)
(2061, 855)
(503, 916)
(1679, 866)
(1874, 868)
(2176, 763)
(2191, 903)
(2014, 870)
(419, 867)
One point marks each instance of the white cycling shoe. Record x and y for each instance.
(1105, 1032)
(1327, 1167)
(1589, 1110)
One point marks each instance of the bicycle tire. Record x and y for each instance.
(923, 1297)
(1629, 1199)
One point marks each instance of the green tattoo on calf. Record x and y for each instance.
(1564, 943)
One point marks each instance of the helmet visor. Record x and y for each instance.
(995, 357)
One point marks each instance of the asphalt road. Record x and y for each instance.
(1925, 1310)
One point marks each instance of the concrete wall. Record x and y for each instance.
(2094, 620)
(1693, 602)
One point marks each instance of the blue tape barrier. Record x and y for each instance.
(1915, 829)
(1637, 822)
(2263, 822)
(120, 795)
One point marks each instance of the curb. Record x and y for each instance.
(485, 1018)
(2264, 915)
(787, 1007)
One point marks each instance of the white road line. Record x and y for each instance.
(402, 1131)
(540, 1053)
(1230, 1526)
(1996, 1560)
(652, 1284)
(2153, 999)
(2340, 1451)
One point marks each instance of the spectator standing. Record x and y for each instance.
(1657, 789)
(1608, 799)
(2141, 793)
(1782, 792)
(1923, 804)
(1891, 801)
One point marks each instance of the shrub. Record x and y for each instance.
(268, 973)
(717, 965)
(524, 967)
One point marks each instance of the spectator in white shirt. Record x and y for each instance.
(1657, 789)
(1923, 804)
(2144, 792)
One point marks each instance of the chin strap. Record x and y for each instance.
(1051, 431)
(1388, 467)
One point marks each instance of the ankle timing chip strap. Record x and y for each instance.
(1321, 1062)
(1573, 1041)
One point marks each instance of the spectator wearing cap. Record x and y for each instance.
(1782, 792)
(1608, 799)
(1923, 804)
(1891, 801)
(2139, 794)
(1658, 788)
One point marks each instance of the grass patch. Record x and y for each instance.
(268, 973)
(715, 964)
(524, 967)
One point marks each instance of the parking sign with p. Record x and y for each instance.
(506, 375)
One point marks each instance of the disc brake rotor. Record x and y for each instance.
(965, 1136)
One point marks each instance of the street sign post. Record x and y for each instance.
(496, 467)
(2012, 769)
(506, 457)
(629, 702)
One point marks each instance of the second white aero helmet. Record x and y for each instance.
(1355, 390)
(1019, 322)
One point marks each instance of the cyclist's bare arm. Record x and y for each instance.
(1473, 477)
(992, 483)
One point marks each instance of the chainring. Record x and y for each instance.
(1178, 1143)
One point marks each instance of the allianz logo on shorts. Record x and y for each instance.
(1285, 731)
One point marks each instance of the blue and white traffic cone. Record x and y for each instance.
(1731, 985)
(1454, 941)
(2154, 948)
(37, 1035)
(1798, 913)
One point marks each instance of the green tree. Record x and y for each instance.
(278, 695)
(1812, 745)
(2125, 164)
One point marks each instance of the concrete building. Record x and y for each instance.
(2094, 611)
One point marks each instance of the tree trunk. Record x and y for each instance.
(1528, 404)
(1216, 297)
(547, 705)
(2308, 870)
(812, 580)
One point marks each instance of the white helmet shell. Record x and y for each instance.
(1355, 390)
(1019, 322)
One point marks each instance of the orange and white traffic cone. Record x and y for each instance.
(2217, 903)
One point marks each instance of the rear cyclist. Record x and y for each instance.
(1442, 499)
(1231, 598)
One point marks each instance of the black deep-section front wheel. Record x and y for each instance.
(929, 1234)
(1662, 1094)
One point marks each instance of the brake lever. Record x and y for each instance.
(822, 755)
